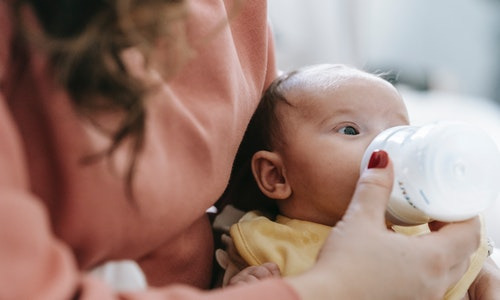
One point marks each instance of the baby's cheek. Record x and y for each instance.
(349, 186)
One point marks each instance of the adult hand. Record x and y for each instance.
(487, 283)
(362, 259)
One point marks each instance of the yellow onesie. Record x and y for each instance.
(294, 245)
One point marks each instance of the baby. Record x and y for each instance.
(301, 156)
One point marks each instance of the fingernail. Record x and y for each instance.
(379, 159)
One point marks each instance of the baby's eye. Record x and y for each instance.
(348, 130)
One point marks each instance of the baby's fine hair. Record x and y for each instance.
(264, 131)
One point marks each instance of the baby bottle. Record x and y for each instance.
(443, 171)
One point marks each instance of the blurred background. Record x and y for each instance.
(451, 45)
(444, 55)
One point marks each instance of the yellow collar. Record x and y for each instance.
(292, 244)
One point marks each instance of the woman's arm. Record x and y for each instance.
(487, 283)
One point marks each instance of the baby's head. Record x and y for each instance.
(306, 139)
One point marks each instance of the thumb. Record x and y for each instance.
(222, 258)
(373, 190)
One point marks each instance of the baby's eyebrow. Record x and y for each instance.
(344, 110)
(337, 113)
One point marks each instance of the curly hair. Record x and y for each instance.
(83, 40)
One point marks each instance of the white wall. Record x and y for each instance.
(455, 43)
(312, 31)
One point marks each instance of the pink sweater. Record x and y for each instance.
(59, 218)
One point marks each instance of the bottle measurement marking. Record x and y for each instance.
(405, 194)
(423, 196)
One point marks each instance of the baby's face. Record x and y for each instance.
(326, 131)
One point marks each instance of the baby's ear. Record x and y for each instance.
(268, 171)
